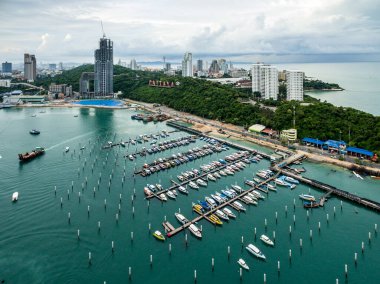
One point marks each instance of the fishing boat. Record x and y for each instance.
(201, 182)
(215, 219)
(195, 231)
(193, 185)
(14, 196)
(182, 190)
(307, 197)
(33, 154)
(236, 187)
(159, 236)
(243, 264)
(228, 212)
(239, 206)
(255, 251)
(291, 180)
(67, 149)
(147, 192)
(211, 177)
(267, 240)
(210, 201)
(182, 219)
(222, 173)
(222, 215)
(162, 196)
(170, 194)
(34, 132)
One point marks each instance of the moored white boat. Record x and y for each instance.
(236, 187)
(195, 231)
(182, 219)
(170, 194)
(222, 173)
(67, 149)
(201, 182)
(222, 215)
(255, 251)
(267, 240)
(210, 201)
(14, 196)
(183, 190)
(211, 177)
(228, 212)
(162, 196)
(307, 197)
(193, 185)
(243, 264)
(239, 205)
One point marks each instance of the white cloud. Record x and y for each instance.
(67, 38)
(44, 40)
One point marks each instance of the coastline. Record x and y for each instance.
(324, 90)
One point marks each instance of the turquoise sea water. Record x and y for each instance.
(39, 245)
(104, 103)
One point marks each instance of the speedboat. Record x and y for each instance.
(222, 215)
(267, 240)
(67, 149)
(236, 187)
(197, 208)
(307, 197)
(201, 182)
(170, 194)
(211, 177)
(182, 219)
(255, 251)
(215, 220)
(228, 212)
(193, 185)
(239, 206)
(162, 196)
(222, 173)
(159, 236)
(243, 264)
(195, 231)
(14, 196)
(210, 201)
(34, 132)
(182, 189)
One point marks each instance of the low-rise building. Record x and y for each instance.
(66, 90)
(256, 128)
(289, 135)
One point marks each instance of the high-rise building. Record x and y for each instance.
(187, 65)
(133, 64)
(30, 67)
(52, 67)
(103, 70)
(6, 67)
(214, 67)
(168, 66)
(199, 65)
(265, 81)
(294, 85)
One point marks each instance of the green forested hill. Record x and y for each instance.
(211, 100)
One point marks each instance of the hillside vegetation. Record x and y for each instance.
(212, 100)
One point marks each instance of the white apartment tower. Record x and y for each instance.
(265, 81)
(294, 85)
(187, 65)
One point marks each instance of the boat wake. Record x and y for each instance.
(69, 140)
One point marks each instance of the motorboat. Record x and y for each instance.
(204, 205)
(181, 178)
(201, 182)
(222, 173)
(291, 180)
(267, 240)
(216, 174)
(257, 180)
(250, 182)
(170, 194)
(67, 149)
(255, 251)
(236, 187)
(239, 206)
(228, 212)
(148, 192)
(133, 142)
(122, 144)
(243, 264)
(162, 196)
(159, 236)
(228, 172)
(307, 197)
(262, 175)
(248, 200)
(195, 231)
(151, 187)
(253, 197)
(34, 132)
(210, 201)
(182, 190)
(159, 186)
(215, 219)
(14, 196)
(182, 219)
(131, 158)
(227, 193)
(271, 187)
(281, 182)
(211, 177)
(82, 148)
(217, 198)
(197, 208)
(193, 185)
(258, 194)
(222, 215)
(174, 192)
(222, 196)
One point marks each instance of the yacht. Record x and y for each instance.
(307, 197)
(159, 186)
(222, 173)
(228, 212)
(291, 180)
(253, 197)
(248, 200)
(67, 149)
(201, 182)
(181, 178)
(217, 175)
(162, 196)
(258, 194)
(195, 231)
(193, 185)
(222, 215)
(243, 264)
(14, 196)
(210, 201)
(182, 219)
(236, 187)
(280, 182)
(267, 240)
(170, 194)
(239, 206)
(182, 189)
(255, 251)
(211, 177)
(217, 198)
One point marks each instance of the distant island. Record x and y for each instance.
(318, 85)
(224, 103)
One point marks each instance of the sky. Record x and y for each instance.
(241, 30)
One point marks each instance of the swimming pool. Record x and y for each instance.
(103, 103)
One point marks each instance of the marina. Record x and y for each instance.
(95, 212)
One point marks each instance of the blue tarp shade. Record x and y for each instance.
(334, 143)
(359, 151)
(312, 140)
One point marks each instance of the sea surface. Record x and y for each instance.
(38, 244)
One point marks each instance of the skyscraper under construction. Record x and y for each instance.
(103, 79)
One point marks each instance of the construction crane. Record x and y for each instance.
(104, 34)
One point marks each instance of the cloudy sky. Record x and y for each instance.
(242, 30)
